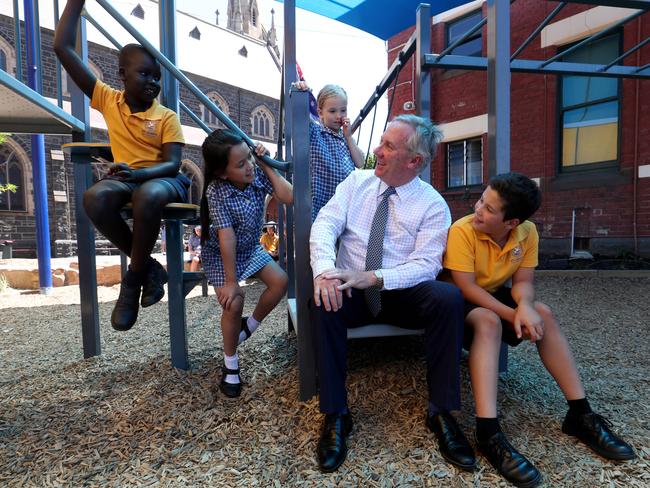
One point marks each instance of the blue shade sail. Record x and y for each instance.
(381, 18)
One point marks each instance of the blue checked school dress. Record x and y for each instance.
(243, 211)
(331, 163)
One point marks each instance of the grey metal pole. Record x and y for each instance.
(289, 77)
(303, 277)
(85, 230)
(423, 74)
(167, 19)
(498, 47)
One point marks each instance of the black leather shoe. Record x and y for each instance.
(126, 308)
(452, 443)
(231, 390)
(510, 464)
(153, 289)
(594, 430)
(332, 447)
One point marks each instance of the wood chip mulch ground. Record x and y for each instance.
(126, 418)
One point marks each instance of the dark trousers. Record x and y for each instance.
(435, 306)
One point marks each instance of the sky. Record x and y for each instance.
(327, 52)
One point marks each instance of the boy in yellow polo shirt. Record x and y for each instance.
(484, 250)
(146, 141)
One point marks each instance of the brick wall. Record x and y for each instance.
(609, 196)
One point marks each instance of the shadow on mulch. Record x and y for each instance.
(127, 418)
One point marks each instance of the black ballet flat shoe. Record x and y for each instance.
(452, 443)
(231, 390)
(245, 329)
(125, 312)
(594, 430)
(332, 446)
(510, 464)
(153, 289)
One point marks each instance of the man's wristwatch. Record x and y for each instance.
(380, 279)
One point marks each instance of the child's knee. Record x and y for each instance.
(486, 324)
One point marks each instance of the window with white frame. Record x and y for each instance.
(262, 122)
(589, 110)
(465, 163)
(208, 117)
(473, 45)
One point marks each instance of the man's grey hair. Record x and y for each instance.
(425, 138)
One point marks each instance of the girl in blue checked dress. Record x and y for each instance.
(231, 218)
(333, 154)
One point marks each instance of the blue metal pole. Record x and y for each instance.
(38, 155)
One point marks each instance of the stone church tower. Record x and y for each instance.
(244, 18)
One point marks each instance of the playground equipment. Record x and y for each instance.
(379, 17)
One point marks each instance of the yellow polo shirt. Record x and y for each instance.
(471, 251)
(136, 139)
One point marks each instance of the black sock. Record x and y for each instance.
(579, 407)
(486, 428)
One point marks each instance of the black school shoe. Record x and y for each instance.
(126, 308)
(452, 443)
(153, 289)
(332, 445)
(510, 464)
(594, 430)
(231, 390)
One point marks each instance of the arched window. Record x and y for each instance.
(262, 122)
(13, 169)
(7, 57)
(138, 12)
(65, 78)
(193, 172)
(208, 117)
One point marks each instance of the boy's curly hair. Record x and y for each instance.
(521, 196)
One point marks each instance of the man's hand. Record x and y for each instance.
(326, 290)
(352, 279)
(528, 323)
(227, 293)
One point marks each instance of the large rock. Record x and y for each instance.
(22, 274)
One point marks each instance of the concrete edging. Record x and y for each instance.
(595, 273)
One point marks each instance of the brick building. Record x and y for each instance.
(585, 140)
(226, 77)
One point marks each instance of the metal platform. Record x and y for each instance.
(25, 111)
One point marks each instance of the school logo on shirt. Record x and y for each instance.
(516, 254)
(150, 128)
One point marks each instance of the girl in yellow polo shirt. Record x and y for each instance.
(146, 141)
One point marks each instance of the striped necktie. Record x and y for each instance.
(375, 250)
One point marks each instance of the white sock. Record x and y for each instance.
(252, 326)
(231, 362)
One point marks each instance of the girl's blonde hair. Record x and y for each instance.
(329, 91)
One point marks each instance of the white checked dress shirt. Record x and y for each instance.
(416, 232)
